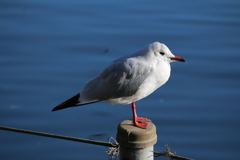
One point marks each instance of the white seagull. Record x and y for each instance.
(128, 79)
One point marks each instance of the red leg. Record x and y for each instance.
(139, 121)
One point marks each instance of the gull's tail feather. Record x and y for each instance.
(72, 102)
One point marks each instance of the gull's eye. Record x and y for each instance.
(162, 53)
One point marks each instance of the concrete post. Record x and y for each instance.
(136, 143)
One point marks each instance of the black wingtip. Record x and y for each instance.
(56, 108)
(68, 103)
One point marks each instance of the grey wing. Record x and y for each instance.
(121, 78)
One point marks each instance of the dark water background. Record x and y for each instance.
(50, 49)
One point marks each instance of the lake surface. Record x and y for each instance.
(50, 49)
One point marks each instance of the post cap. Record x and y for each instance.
(134, 137)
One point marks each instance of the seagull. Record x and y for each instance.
(127, 80)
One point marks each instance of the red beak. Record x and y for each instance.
(178, 59)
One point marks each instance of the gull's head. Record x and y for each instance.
(162, 52)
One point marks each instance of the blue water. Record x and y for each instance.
(50, 49)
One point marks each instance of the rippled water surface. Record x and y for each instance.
(50, 49)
